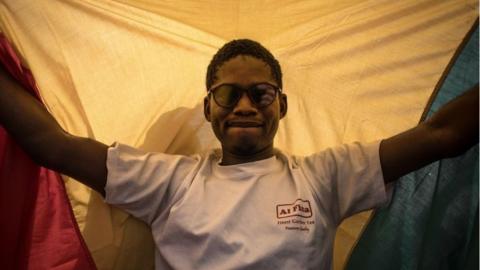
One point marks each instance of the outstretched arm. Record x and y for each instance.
(39, 134)
(450, 132)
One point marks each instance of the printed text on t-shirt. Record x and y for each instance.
(300, 208)
(297, 213)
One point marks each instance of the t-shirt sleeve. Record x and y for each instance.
(347, 179)
(142, 183)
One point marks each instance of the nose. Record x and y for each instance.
(245, 107)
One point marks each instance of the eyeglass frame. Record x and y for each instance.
(277, 89)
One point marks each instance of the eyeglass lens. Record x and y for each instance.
(261, 94)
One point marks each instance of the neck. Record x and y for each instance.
(232, 157)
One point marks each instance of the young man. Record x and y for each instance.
(247, 205)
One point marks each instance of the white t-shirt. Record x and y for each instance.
(277, 213)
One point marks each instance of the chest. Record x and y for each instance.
(253, 218)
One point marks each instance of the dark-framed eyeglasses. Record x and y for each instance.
(261, 94)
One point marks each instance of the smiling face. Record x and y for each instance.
(245, 131)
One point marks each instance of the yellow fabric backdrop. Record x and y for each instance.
(133, 71)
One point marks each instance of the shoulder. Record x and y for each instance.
(122, 155)
(292, 161)
(351, 155)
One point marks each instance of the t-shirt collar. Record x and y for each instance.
(245, 170)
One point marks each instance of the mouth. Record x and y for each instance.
(244, 124)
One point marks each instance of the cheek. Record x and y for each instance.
(272, 123)
(274, 127)
(217, 119)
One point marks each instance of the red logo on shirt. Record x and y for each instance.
(300, 208)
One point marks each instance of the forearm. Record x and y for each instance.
(450, 132)
(39, 134)
(456, 123)
(26, 119)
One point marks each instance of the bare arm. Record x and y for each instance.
(39, 134)
(450, 132)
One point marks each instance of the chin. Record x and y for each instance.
(245, 147)
(244, 150)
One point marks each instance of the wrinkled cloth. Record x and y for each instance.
(133, 71)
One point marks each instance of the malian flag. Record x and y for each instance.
(134, 72)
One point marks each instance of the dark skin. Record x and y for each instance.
(39, 134)
(450, 132)
(245, 131)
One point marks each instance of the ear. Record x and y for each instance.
(206, 108)
(283, 105)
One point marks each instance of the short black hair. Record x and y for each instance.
(243, 47)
